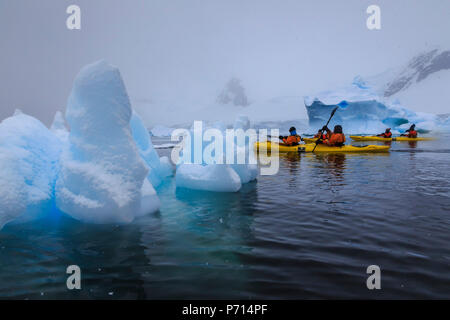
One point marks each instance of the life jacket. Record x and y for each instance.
(336, 140)
(292, 140)
(324, 136)
(386, 135)
(412, 134)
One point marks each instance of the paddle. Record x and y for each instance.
(321, 131)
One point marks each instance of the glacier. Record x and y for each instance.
(102, 177)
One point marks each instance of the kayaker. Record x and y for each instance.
(335, 138)
(386, 134)
(411, 132)
(321, 135)
(292, 140)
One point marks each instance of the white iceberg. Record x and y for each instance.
(29, 155)
(218, 176)
(211, 177)
(102, 177)
(59, 128)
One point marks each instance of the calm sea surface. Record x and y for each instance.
(308, 232)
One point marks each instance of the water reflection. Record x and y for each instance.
(42, 251)
(412, 144)
(291, 161)
(333, 163)
(206, 237)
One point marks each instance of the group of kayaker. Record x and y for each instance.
(410, 133)
(336, 138)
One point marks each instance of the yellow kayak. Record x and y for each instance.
(375, 138)
(269, 146)
(309, 140)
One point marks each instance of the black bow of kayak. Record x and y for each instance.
(321, 131)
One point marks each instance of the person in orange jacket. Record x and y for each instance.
(292, 140)
(335, 138)
(386, 134)
(321, 135)
(411, 132)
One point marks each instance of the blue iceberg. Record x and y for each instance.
(363, 111)
(29, 154)
(104, 170)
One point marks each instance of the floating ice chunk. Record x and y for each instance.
(157, 170)
(213, 177)
(246, 172)
(218, 176)
(102, 174)
(29, 155)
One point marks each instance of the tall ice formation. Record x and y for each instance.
(102, 177)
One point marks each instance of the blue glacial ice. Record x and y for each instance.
(159, 168)
(29, 154)
(102, 179)
(363, 110)
(218, 176)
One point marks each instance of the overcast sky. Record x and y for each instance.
(188, 49)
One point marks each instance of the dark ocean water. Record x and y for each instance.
(308, 232)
